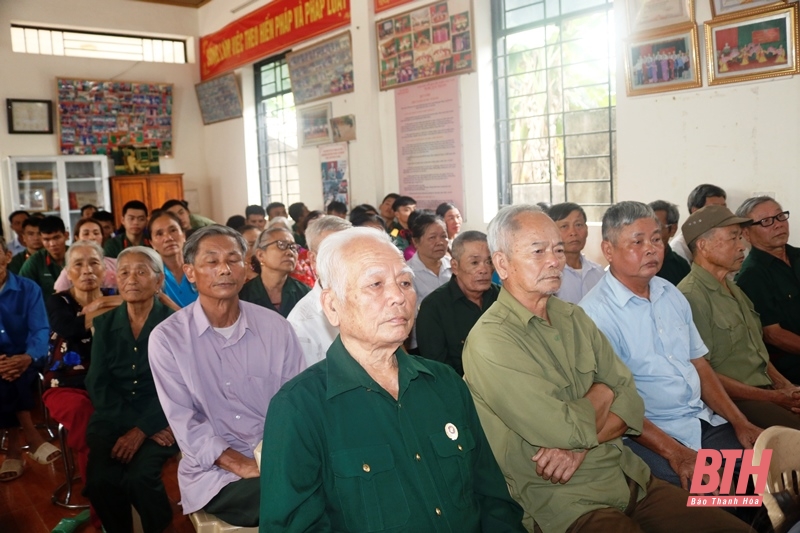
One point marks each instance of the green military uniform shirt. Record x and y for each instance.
(729, 326)
(674, 268)
(528, 379)
(254, 292)
(119, 380)
(43, 269)
(114, 246)
(341, 454)
(199, 221)
(444, 320)
(299, 238)
(15, 265)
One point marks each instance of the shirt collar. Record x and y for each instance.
(705, 278)
(554, 306)
(12, 283)
(345, 373)
(203, 325)
(766, 258)
(623, 294)
(416, 264)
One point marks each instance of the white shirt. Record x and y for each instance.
(425, 282)
(679, 246)
(15, 247)
(576, 283)
(311, 325)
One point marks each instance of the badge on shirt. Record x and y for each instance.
(451, 431)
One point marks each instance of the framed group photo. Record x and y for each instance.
(650, 14)
(752, 45)
(725, 7)
(313, 124)
(663, 60)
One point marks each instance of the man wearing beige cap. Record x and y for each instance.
(728, 324)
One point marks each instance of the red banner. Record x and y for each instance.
(267, 30)
(383, 5)
(769, 35)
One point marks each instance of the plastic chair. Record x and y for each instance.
(784, 469)
(63, 493)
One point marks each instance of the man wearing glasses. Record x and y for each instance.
(770, 276)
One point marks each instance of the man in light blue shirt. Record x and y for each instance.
(649, 323)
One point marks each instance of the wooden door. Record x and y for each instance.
(127, 188)
(165, 187)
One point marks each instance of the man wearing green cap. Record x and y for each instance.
(728, 324)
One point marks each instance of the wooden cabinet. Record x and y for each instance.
(152, 189)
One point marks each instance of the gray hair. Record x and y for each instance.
(192, 245)
(264, 236)
(332, 261)
(624, 214)
(457, 248)
(153, 259)
(673, 215)
(280, 221)
(504, 224)
(83, 244)
(751, 203)
(324, 224)
(3, 244)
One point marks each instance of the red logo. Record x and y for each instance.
(709, 463)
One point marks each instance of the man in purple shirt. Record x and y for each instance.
(216, 364)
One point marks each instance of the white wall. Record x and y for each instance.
(33, 76)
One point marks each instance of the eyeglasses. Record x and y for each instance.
(283, 245)
(768, 221)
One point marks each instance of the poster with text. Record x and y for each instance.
(335, 169)
(430, 42)
(429, 143)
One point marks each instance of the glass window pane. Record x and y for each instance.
(586, 121)
(589, 168)
(589, 193)
(588, 144)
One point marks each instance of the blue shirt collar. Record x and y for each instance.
(623, 294)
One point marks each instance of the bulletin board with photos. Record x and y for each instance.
(322, 70)
(97, 116)
(427, 43)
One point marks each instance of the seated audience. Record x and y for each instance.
(530, 349)
(649, 324)
(302, 269)
(71, 313)
(236, 222)
(400, 230)
(33, 243)
(88, 211)
(256, 216)
(701, 196)
(274, 289)
(134, 222)
(371, 438)
(16, 219)
(365, 219)
(23, 348)
(448, 313)
(168, 239)
(45, 266)
(362, 209)
(298, 212)
(89, 229)
(216, 365)
(128, 436)
(106, 220)
(313, 330)
(770, 277)
(276, 209)
(674, 268)
(189, 220)
(728, 324)
(386, 210)
(452, 220)
(337, 209)
(580, 274)
(250, 234)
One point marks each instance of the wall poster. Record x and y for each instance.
(429, 143)
(322, 70)
(219, 99)
(335, 171)
(430, 42)
(95, 117)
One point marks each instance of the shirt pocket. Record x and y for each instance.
(453, 458)
(371, 496)
(728, 332)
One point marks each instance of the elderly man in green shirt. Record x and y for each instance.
(728, 323)
(371, 438)
(448, 313)
(555, 400)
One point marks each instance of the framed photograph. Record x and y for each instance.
(662, 60)
(29, 116)
(33, 198)
(650, 14)
(313, 124)
(219, 99)
(726, 7)
(757, 44)
(322, 70)
(344, 128)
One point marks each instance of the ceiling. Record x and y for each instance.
(184, 3)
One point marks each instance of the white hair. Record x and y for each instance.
(153, 259)
(280, 221)
(84, 244)
(332, 261)
(324, 224)
(504, 224)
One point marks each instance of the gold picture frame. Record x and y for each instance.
(645, 15)
(663, 60)
(771, 51)
(720, 8)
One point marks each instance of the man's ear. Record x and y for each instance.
(746, 233)
(188, 269)
(500, 262)
(330, 306)
(606, 248)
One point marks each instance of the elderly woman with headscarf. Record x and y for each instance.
(128, 435)
(371, 438)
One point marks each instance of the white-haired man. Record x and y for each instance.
(371, 438)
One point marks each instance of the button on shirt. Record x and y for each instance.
(575, 284)
(657, 339)
(23, 319)
(311, 325)
(346, 456)
(215, 391)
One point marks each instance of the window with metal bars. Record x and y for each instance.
(277, 133)
(555, 102)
